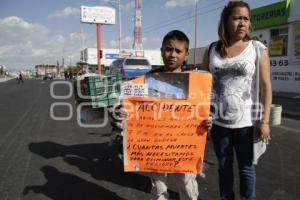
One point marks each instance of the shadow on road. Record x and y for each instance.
(62, 186)
(94, 159)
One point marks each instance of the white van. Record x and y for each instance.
(130, 67)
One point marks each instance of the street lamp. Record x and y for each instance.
(120, 26)
(120, 22)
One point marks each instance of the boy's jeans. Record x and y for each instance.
(186, 185)
(240, 139)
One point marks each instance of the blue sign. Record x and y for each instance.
(111, 56)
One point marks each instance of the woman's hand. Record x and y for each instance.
(264, 132)
(206, 124)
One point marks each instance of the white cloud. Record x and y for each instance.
(124, 7)
(76, 37)
(152, 43)
(127, 42)
(25, 44)
(128, 6)
(15, 30)
(112, 44)
(65, 13)
(13, 25)
(180, 3)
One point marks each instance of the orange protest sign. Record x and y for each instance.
(165, 134)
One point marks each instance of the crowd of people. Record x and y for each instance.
(69, 75)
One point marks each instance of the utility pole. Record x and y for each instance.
(120, 28)
(98, 31)
(137, 44)
(120, 23)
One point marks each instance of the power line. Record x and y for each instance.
(181, 20)
(175, 19)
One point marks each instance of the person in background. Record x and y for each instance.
(70, 75)
(20, 79)
(232, 62)
(66, 74)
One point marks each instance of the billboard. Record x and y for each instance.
(98, 15)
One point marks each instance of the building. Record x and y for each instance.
(41, 70)
(278, 27)
(89, 57)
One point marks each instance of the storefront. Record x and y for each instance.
(278, 27)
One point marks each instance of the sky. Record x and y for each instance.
(48, 31)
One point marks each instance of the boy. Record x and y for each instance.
(174, 52)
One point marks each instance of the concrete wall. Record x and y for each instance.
(294, 11)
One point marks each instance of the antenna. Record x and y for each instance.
(137, 43)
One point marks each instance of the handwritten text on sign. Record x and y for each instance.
(166, 135)
(138, 90)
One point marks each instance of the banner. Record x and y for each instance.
(276, 47)
(296, 41)
(164, 131)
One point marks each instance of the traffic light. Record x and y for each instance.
(100, 53)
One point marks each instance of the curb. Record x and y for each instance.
(4, 80)
(286, 95)
(289, 113)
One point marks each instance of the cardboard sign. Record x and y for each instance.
(137, 90)
(165, 134)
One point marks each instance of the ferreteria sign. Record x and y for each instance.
(270, 15)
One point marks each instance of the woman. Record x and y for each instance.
(232, 61)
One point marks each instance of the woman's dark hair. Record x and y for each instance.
(223, 29)
(178, 35)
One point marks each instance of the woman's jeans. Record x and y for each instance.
(226, 140)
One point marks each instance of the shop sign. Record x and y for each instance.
(296, 42)
(270, 15)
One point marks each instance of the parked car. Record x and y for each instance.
(129, 68)
(48, 76)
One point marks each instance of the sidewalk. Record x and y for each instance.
(290, 103)
(5, 79)
(287, 95)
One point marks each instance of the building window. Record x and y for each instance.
(278, 42)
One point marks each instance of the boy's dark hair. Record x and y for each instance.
(178, 35)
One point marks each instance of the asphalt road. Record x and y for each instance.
(42, 158)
